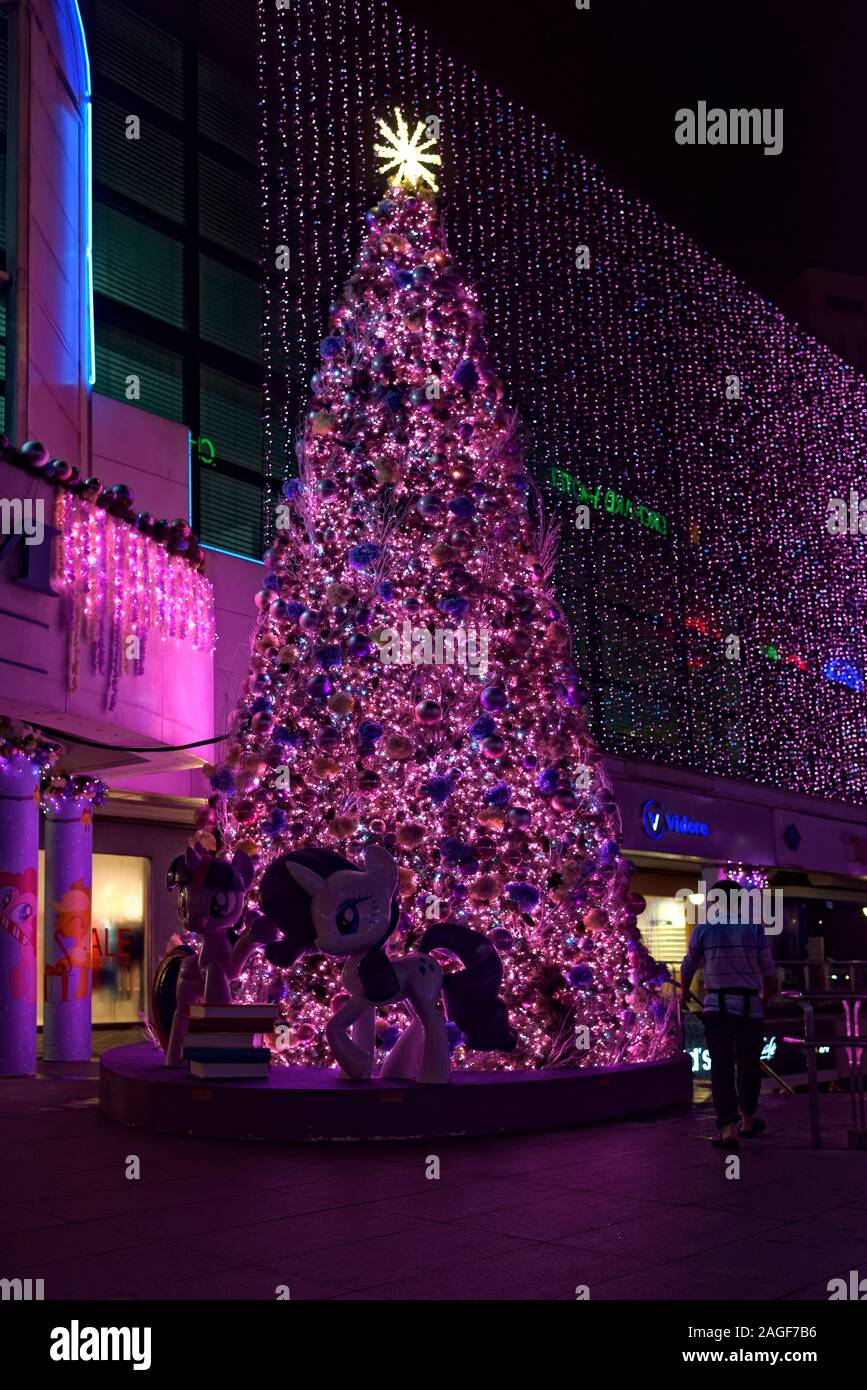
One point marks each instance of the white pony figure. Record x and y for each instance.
(317, 899)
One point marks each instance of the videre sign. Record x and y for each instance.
(657, 822)
(675, 820)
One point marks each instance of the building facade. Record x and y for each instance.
(178, 299)
(72, 560)
(130, 304)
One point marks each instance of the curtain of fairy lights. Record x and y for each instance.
(719, 624)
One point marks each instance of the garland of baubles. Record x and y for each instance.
(177, 537)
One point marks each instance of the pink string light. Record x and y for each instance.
(119, 584)
(619, 372)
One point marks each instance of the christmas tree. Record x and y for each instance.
(411, 681)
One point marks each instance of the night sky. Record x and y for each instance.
(610, 80)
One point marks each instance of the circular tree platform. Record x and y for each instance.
(311, 1105)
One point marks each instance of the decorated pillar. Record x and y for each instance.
(68, 804)
(23, 756)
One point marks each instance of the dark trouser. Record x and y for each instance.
(735, 1047)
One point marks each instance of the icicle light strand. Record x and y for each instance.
(120, 584)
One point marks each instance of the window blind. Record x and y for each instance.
(231, 416)
(148, 170)
(231, 514)
(137, 265)
(226, 113)
(230, 309)
(135, 54)
(120, 355)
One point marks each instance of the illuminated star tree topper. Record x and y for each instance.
(406, 153)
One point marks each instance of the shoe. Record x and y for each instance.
(730, 1146)
(758, 1127)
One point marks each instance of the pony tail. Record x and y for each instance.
(472, 994)
(164, 992)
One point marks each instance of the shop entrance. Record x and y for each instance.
(120, 895)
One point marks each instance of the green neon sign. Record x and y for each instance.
(205, 450)
(607, 500)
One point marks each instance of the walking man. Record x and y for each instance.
(740, 977)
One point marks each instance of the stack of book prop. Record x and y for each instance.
(224, 1041)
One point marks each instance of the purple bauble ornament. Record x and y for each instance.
(493, 746)
(493, 697)
(430, 507)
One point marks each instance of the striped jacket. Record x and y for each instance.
(733, 955)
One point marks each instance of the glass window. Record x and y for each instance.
(138, 266)
(664, 929)
(231, 514)
(230, 309)
(229, 209)
(178, 202)
(120, 355)
(149, 170)
(135, 54)
(226, 113)
(231, 417)
(119, 898)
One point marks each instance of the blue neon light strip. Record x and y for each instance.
(234, 554)
(90, 345)
(88, 244)
(189, 479)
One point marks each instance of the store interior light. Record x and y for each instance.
(864, 909)
(699, 898)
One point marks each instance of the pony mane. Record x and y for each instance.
(209, 872)
(285, 903)
(26, 881)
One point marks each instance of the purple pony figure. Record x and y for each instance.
(211, 895)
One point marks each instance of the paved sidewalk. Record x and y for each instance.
(634, 1209)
